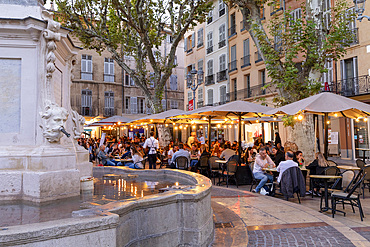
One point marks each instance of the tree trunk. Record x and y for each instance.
(303, 135)
(164, 135)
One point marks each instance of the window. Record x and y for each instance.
(221, 8)
(174, 104)
(186, 44)
(133, 105)
(278, 41)
(222, 62)
(295, 15)
(169, 39)
(173, 82)
(232, 66)
(247, 80)
(108, 103)
(127, 105)
(262, 80)
(141, 104)
(86, 102)
(190, 95)
(210, 17)
(327, 77)
(222, 36)
(200, 37)
(164, 105)
(193, 40)
(209, 42)
(235, 85)
(200, 64)
(223, 94)
(210, 96)
(262, 13)
(108, 70)
(326, 12)
(210, 67)
(151, 79)
(232, 29)
(352, 26)
(276, 6)
(86, 67)
(349, 74)
(246, 61)
(128, 80)
(175, 60)
(200, 94)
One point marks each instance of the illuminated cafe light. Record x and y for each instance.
(327, 122)
(218, 125)
(357, 120)
(365, 119)
(201, 126)
(176, 128)
(204, 118)
(180, 127)
(336, 115)
(225, 126)
(151, 120)
(295, 118)
(236, 126)
(166, 125)
(229, 126)
(257, 121)
(300, 117)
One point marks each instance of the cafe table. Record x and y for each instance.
(353, 168)
(221, 164)
(363, 151)
(325, 178)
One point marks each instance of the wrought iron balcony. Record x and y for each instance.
(233, 66)
(200, 104)
(354, 35)
(190, 50)
(250, 92)
(209, 19)
(232, 31)
(349, 87)
(222, 76)
(210, 80)
(221, 44)
(221, 12)
(246, 61)
(209, 49)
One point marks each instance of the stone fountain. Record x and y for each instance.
(38, 162)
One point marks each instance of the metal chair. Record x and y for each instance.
(142, 162)
(204, 166)
(360, 163)
(331, 163)
(230, 172)
(254, 180)
(366, 181)
(214, 167)
(182, 163)
(349, 197)
(296, 184)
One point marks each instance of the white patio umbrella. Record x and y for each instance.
(110, 121)
(327, 104)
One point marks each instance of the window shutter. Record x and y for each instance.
(186, 44)
(133, 105)
(193, 40)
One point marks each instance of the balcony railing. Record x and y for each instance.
(209, 20)
(222, 76)
(108, 112)
(221, 12)
(257, 57)
(209, 49)
(254, 91)
(190, 50)
(242, 25)
(246, 61)
(232, 66)
(221, 44)
(199, 104)
(210, 80)
(350, 87)
(232, 30)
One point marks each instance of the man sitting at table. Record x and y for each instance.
(227, 153)
(262, 161)
(180, 153)
(284, 165)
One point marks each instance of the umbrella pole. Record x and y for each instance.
(326, 119)
(209, 132)
(240, 138)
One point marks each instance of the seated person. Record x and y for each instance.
(317, 167)
(216, 150)
(105, 158)
(262, 161)
(284, 165)
(299, 158)
(137, 157)
(180, 153)
(172, 151)
(227, 153)
(193, 155)
(126, 152)
(278, 156)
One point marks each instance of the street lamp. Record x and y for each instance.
(360, 8)
(193, 82)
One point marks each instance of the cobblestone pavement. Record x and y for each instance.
(310, 236)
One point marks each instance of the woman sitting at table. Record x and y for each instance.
(316, 168)
(137, 157)
(193, 155)
(216, 150)
(299, 158)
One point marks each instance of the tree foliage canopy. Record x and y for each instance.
(135, 28)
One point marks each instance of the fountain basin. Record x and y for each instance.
(181, 216)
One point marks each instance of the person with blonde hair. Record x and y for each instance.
(317, 167)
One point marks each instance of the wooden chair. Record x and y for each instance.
(366, 181)
(360, 163)
(254, 180)
(182, 163)
(349, 197)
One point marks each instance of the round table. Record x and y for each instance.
(353, 168)
(325, 178)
